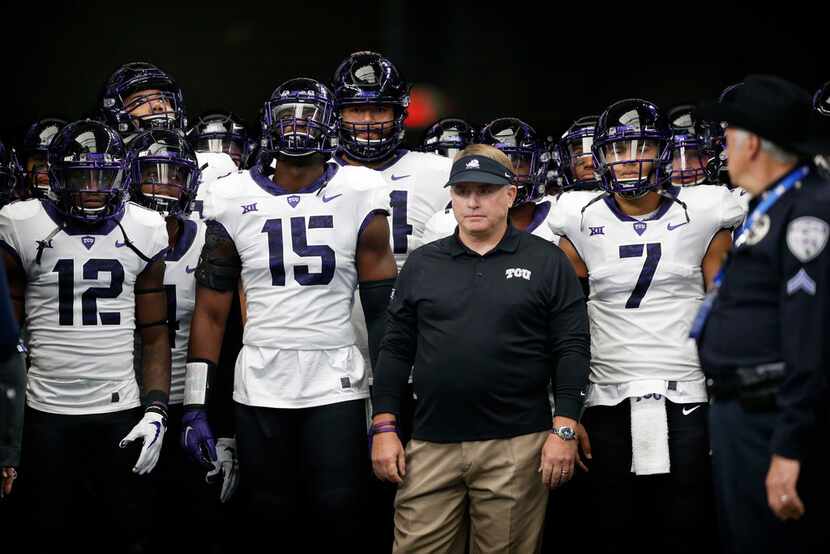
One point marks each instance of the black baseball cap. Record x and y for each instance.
(479, 169)
(774, 109)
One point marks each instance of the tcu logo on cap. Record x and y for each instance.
(472, 164)
(517, 272)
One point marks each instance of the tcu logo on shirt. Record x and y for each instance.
(517, 272)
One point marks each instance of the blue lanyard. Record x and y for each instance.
(787, 183)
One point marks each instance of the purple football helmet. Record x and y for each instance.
(87, 176)
(221, 132)
(367, 78)
(632, 148)
(690, 155)
(299, 120)
(130, 113)
(35, 151)
(519, 141)
(576, 161)
(446, 137)
(164, 162)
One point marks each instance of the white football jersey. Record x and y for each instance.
(80, 304)
(299, 275)
(443, 224)
(646, 281)
(180, 284)
(416, 191)
(213, 165)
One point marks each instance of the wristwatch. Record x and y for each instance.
(564, 433)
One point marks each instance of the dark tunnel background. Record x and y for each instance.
(547, 66)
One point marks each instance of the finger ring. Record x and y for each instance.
(784, 498)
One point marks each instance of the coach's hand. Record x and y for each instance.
(782, 495)
(7, 480)
(584, 446)
(388, 457)
(558, 457)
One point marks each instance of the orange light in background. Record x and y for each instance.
(426, 105)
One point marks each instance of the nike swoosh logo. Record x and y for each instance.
(120, 244)
(187, 269)
(671, 227)
(158, 430)
(330, 198)
(399, 177)
(690, 410)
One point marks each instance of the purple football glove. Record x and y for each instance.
(197, 438)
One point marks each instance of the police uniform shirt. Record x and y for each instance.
(80, 303)
(485, 335)
(774, 304)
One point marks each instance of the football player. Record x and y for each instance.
(691, 159)
(164, 176)
(575, 158)
(529, 211)
(447, 137)
(299, 231)
(649, 250)
(86, 270)
(34, 153)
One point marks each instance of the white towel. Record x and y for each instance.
(649, 435)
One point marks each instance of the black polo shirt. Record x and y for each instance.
(484, 335)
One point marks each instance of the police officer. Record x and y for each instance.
(762, 333)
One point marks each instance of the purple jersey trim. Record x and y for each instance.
(185, 240)
(539, 214)
(269, 186)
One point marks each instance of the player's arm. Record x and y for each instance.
(376, 272)
(151, 322)
(576, 261)
(217, 277)
(715, 256)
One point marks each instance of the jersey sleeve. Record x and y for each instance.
(557, 218)
(438, 226)
(732, 213)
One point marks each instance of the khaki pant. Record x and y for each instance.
(495, 483)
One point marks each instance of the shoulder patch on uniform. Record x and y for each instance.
(807, 237)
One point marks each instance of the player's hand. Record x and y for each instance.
(226, 468)
(150, 430)
(197, 439)
(782, 495)
(388, 457)
(9, 474)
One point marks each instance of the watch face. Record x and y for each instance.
(566, 433)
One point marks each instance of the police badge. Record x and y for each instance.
(807, 237)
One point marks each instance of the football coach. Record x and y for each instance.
(483, 319)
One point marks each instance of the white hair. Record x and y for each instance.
(773, 150)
